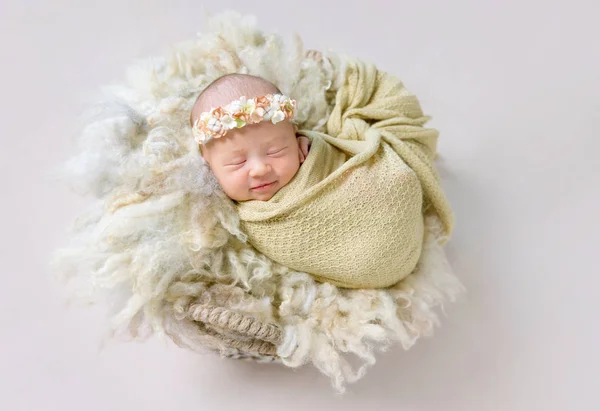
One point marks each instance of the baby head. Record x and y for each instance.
(250, 161)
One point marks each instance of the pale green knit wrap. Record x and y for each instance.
(353, 214)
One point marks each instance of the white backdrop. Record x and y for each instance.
(514, 89)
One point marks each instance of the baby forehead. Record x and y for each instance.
(251, 138)
(245, 142)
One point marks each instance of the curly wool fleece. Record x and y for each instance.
(161, 234)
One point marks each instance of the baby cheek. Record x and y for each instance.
(291, 166)
(240, 179)
(227, 179)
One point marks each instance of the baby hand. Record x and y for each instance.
(303, 147)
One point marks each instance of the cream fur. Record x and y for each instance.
(161, 234)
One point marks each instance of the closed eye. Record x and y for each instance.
(276, 151)
(235, 163)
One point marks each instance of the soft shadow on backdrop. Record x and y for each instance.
(512, 86)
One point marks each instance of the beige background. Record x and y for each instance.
(514, 88)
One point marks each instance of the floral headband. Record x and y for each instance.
(216, 122)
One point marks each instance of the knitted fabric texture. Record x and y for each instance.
(353, 214)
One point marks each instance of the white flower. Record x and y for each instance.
(236, 105)
(249, 106)
(277, 117)
(205, 117)
(197, 133)
(214, 125)
(228, 122)
(268, 113)
(200, 137)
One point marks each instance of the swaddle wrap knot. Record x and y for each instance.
(354, 213)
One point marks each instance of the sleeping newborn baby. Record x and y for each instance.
(260, 152)
(353, 214)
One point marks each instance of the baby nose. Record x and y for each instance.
(259, 168)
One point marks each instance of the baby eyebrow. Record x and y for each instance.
(229, 159)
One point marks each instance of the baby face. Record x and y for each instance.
(254, 162)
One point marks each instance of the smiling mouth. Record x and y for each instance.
(263, 186)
